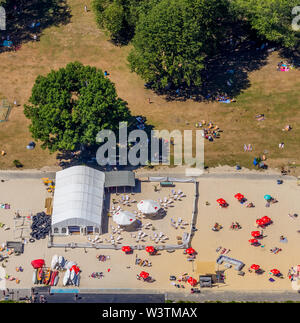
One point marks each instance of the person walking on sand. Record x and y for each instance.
(85, 8)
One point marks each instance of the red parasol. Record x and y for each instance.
(190, 251)
(221, 201)
(255, 267)
(126, 249)
(192, 281)
(150, 249)
(239, 196)
(255, 234)
(275, 271)
(265, 219)
(38, 263)
(253, 241)
(144, 274)
(260, 222)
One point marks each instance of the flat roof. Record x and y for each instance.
(119, 178)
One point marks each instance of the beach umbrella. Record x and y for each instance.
(126, 249)
(255, 234)
(221, 201)
(124, 218)
(190, 251)
(150, 249)
(267, 197)
(148, 206)
(144, 274)
(253, 241)
(260, 222)
(192, 281)
(239, 196)
(255, 267)
(265, 219)
(275, 271)
(38, 263)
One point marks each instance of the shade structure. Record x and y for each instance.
(126, 249)
(255, 234)
(144, 274)
(255, 267)
(221, 201)
(150, 249)
(260, 222)
(78, 200)
(253, 241)
(192, 281)
(266, 220)
(190, 251)
(275, 271)
(267, 197)
(239, 196)
(38, 263)
(124, 218)
(148, 206)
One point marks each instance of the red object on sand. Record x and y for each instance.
(190, 251)
(144, 274)
(255, 267)
(38, 263)
(76, 269)
(192, 281)
(221, 201)
(275, 271)
(260, 222)
(239, 196)
(126, 249)
(150, 249)
(255, 234)
(266, 219)
(253, 241)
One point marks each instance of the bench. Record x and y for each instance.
(167, 184)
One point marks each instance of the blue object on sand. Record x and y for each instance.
(271, 280)
(267, 197)
(225, 101)
(7, 43)
(255, 162)
(279, 181)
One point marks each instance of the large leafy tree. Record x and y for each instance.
(70, 106)
(119, 17)
(272, 19)
(173, 38)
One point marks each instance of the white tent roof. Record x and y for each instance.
(78, 197)
(124, 218)
(148, 206)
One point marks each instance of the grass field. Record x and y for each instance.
(270, 92)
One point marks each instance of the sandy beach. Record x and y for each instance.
(28, 196)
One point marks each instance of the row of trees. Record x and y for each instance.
(171, 38)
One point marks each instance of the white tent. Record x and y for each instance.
(78, 200)
(148, 206)
(124, 218)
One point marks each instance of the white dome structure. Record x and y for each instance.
(148, 206)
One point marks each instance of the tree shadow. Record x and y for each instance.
(226, 72)
(87, 155)
(26, 19)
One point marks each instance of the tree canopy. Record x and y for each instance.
(272, 19)
(173, 38)
(70, 106)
